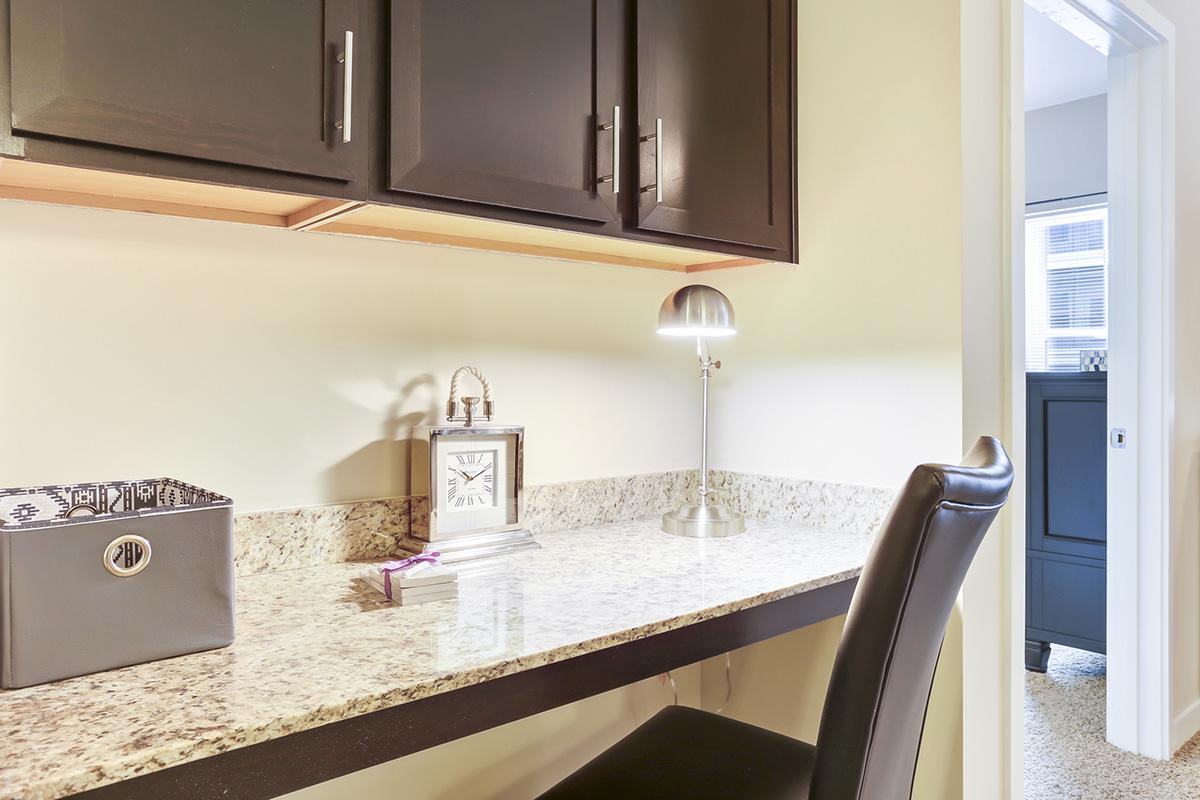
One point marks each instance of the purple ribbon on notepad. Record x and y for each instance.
(399, 566)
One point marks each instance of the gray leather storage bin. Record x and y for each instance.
(102, 575)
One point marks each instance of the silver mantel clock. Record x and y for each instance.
(473, 474)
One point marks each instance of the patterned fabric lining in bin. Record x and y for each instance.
(43, 506)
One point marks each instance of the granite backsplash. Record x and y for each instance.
(270, 541)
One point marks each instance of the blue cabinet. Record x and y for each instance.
(1066, 516)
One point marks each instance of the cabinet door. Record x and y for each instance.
(717, 74)
(1067, 432)
(258, 84)
(501, 102)
(1065, 600)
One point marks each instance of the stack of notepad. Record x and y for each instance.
(414, 580)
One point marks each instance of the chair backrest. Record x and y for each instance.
(877, 698)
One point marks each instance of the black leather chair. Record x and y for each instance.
(878, 694)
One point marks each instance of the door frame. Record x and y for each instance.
(1139, 707)
(1141, 103)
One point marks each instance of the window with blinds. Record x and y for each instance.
(1066, 287)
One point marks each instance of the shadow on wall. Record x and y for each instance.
(389, 455)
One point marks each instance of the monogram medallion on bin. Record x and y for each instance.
(127, 555)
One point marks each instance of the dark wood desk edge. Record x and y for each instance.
(277, 766)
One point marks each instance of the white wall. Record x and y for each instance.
(1066, 150)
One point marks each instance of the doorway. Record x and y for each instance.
(1066, 343)
(1140, 43)
(1066, 315)
(1094, 283)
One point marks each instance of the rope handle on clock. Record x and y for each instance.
(454, 408)
(487, 385)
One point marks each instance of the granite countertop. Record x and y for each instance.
(317, 645)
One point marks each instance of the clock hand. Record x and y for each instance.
(477, 474)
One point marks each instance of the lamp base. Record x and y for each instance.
(708, 521)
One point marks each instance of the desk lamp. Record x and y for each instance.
(700, 311)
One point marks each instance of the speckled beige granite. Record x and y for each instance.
(419, 506)
(814, 504)
(562, 506)
(270, 541)
(315, 645)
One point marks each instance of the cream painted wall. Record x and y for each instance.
(286, 369)
(778, 684)
(854, 360)
(848, 367)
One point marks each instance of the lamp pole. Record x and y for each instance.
(706, 367)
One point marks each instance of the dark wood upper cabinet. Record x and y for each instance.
(501, 103)
(718, 74)
(657, 122)
(254, 84)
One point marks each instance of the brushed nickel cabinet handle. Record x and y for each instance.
(346, 59)
(660, 152)
(615, 127)
(659, 171)
(616, 150)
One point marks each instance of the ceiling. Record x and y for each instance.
(1059, 68)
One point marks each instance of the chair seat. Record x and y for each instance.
(685, 754)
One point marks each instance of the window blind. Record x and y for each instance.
(1066, 287)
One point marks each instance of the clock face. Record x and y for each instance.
(471, 479)
(475, 483)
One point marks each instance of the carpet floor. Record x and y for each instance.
(1066, 756)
